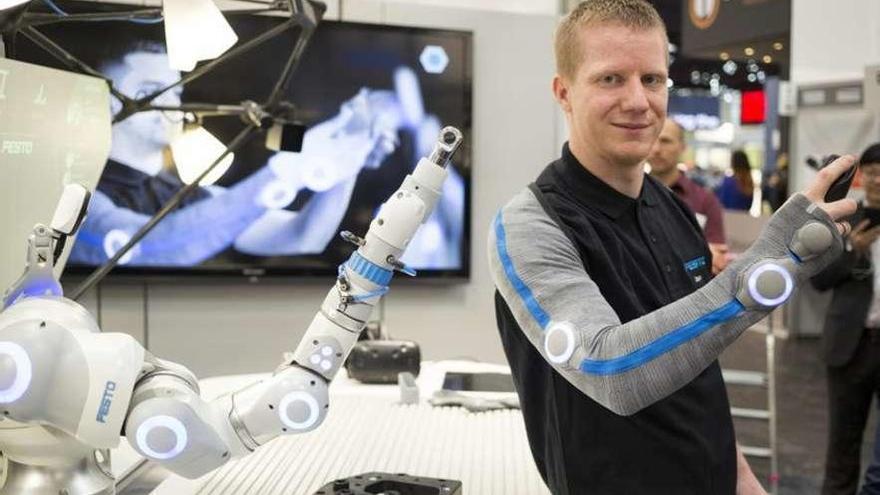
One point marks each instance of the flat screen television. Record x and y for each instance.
(373, 98)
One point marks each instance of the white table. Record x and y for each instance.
(367, 429)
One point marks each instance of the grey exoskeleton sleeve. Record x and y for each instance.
(627, 367)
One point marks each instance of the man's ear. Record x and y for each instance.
(560, 92)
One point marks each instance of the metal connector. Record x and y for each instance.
(447, 144)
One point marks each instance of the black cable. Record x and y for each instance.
(284, 80)
(204, 69)
(113, 17)
(52, 48)
(59, 248)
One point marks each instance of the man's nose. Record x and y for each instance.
(635, 97)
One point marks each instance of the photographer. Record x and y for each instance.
(852, 335)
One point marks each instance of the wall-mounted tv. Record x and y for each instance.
(373, 99)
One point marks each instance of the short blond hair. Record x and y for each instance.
(634, 14)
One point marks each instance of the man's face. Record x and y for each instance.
(667, 149)
(871, 176)
(140, 74)
(616, 103)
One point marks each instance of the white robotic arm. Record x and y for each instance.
(169, 423)
(68, 391)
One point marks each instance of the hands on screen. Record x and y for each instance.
(362, 134)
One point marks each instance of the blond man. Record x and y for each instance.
(606, 308)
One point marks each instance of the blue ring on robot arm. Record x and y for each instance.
(369, 270)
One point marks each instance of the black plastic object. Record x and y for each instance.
(872, 214)
(291, 135)
(390, 484)
(478, 382)
(379, 361)
(840, 187)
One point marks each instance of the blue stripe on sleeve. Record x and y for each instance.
(521, 288)
(665, 343)
(633, 359)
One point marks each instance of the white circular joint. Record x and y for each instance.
(326, 365)
(114, 240)
(276, 195)
(295, 398)
(315, 359)
(169, 423)
(23, 372)
(559, 342)
(767, 272)
(327, 351)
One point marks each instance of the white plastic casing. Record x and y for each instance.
(114, 362)
(71, 209)
(81, 380)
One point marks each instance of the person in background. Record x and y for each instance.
(852, 341)
(664, 160)
(735, 192)
(776, 190)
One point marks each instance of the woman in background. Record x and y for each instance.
(735, 192)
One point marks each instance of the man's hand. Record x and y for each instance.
(363, 133)
(719, 257)
(746, 482)
(862, 237)
(815, 192)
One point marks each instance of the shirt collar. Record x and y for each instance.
(118, 172)
(595, 193)
(682, 183)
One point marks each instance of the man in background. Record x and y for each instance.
(852, 340)
(664, 160)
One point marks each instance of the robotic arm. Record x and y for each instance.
(169, 423)
(59, 374)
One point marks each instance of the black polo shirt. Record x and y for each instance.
(130, 188)
(643, 254)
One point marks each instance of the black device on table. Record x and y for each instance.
(387, 483)
(380, 361)
(840, 187)
(478, 382)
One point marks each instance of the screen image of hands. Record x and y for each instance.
(361, 135)
(252, 215)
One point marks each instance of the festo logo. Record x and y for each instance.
(106, 400)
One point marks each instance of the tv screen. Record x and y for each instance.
(373, 99)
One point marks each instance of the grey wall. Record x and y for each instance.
(232, 327)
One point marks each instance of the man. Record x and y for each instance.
(607, 315)
(852, 340)
(664, 160)
(134, 185)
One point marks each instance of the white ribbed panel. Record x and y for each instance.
(488, 452)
